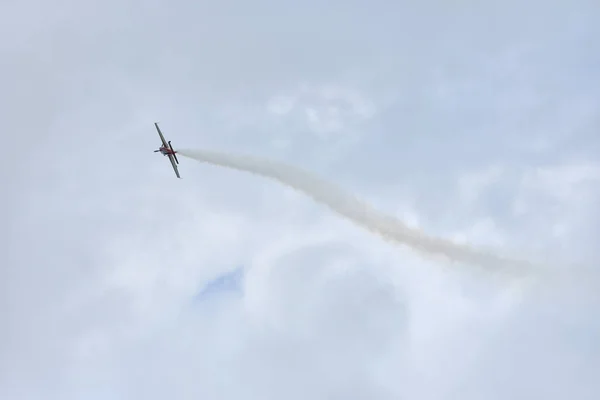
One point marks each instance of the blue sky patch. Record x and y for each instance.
(226, 283)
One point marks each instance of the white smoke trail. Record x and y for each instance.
(357, 211)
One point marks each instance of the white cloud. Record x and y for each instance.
(325, 110)
(472, 184)
(478, 122)
(281, 105)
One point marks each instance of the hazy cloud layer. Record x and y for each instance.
(475, 122)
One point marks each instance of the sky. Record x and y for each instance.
(474, 121)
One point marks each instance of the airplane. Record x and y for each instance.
(167, 150)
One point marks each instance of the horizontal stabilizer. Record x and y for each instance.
(173, 152)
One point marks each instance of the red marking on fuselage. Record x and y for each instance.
(166, 150)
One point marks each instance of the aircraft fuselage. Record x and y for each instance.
(165, 151)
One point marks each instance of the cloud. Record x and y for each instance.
(327, 116)
(478, 120)
(330, 108)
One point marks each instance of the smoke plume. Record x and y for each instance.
(359, 212)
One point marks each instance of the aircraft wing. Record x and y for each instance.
(161, 135)
(172, 159)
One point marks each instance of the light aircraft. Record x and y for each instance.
(167, 150)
